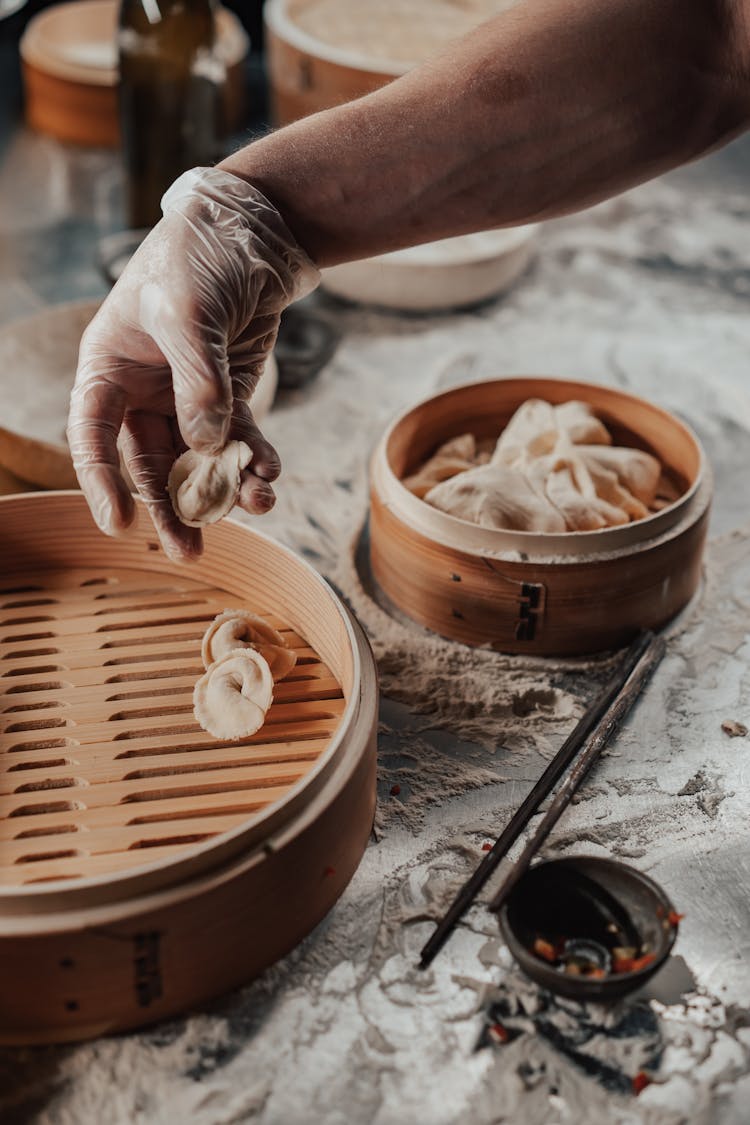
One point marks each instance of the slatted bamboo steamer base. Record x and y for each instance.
(144, 865)
(546, 594)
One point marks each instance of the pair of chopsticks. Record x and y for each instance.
(590, 736)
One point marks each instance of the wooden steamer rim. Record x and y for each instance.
(36, 522)
(450, 531)
(279, 24)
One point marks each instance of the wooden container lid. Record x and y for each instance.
(69, 58)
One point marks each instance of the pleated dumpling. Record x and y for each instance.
(204, 487)
(240, 629)
(232, 697)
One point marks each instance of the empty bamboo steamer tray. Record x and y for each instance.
(144, 865)
(546, 594)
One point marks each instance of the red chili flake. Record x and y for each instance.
(632, 964)
(545, 949)
(486, 847)
(395, 790)
(622, 964)
(329, 871)
(641, 1081)
(674, 918)
(497, 1033)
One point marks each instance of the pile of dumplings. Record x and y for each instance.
(553, 469)
(243, 656)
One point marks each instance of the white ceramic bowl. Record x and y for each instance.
(452, 273)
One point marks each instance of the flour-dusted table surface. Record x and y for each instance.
(648, 292)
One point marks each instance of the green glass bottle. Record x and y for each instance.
(170, 96)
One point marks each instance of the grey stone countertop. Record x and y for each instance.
(649, 292)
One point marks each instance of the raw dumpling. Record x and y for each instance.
(239, 629)
(636, 470)
(496, 496)
(579, 512)
(532, 431)
(581, 425)
(553, 468)
(454, 456)
(609, 488)
(205, 487)
(231, 699)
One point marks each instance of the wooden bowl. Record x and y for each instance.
(69, 63)
(41, 351)
(548, 594)
(145, 866)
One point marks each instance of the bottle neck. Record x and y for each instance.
(157, 10)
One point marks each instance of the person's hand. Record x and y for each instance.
(173, 355)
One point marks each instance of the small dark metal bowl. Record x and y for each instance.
(572, 896)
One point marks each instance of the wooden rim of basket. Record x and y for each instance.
(570, 546)
(202, 857)
(277, 21)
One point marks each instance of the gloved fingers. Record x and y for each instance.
(149, 451)
(265, 463)
(249, 352)
(194, 346)
(256, 496)
(97, 407)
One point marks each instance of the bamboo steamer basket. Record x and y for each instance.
(349, 48)
(145, 866)
(307, 75)
(515, 591)
(69, 64)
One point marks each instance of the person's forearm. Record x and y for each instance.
(548, 108)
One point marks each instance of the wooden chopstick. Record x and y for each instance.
(645, 643)
(605, 728)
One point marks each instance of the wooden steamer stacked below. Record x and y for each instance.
(144, 865)
(517, 591)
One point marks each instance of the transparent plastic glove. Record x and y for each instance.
(173, 355)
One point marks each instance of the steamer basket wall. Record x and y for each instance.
(561, 594)
(146, 867)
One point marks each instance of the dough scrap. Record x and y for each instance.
(232, 697)
(204, 487)
(240, 629)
